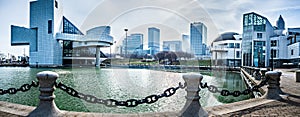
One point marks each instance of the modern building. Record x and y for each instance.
(293, 46)
(174, 46)
(278, 45)
(257, 31)
(53, 39)
(134, 44)
(153, 40)
(198, 37)
(186, 43)
(226, 50)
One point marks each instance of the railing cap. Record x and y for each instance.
(263, 69)
(192, 75)
(273, 74)
(47, 74)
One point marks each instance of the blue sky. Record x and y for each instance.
(172, 16)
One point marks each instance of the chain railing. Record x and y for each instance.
(114, 103)
(23, 88)
(225, 92)
(47, 83)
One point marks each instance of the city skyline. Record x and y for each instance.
(225, 18)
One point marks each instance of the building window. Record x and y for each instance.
(231, 45)
(56, 4)
(237, 45)
(273, 53)
(292, 52)
(49, 26)
(237, 55)
(273, 43)
(259, 35)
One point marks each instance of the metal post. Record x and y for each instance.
(234, 56)
(272, 57)
(192, 107)
(126, 42)
(46, 107)
(273, 87)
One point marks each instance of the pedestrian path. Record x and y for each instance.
(289, 106)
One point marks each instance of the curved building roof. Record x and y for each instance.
(226, 36)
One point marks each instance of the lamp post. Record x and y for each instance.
(234, 55)
(272, 57)
(126, 42)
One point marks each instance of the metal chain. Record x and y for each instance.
(247, 91)
(23, 88)
(114, 103)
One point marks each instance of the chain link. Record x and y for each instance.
(23, 88)
(114, 103)
(214, 89)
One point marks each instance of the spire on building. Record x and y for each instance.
(280, 23)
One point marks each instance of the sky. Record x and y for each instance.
(173, 17)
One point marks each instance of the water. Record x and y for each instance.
(119, 84)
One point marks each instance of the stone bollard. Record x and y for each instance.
(46, 107)
(273, 87)
(263, 73)
(298, 76)
(192, 107)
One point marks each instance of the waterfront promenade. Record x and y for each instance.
(288, 106)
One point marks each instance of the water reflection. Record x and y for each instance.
(119, 84)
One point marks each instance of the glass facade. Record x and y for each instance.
(67, 48)
(198, 35)
(259, 54)
(70, 28)
(134, 44)
(253, 23)
(153, 40)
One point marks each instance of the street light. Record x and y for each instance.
(126, 42)
(272, 57)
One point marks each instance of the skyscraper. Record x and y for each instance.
(134, 43)
(153, 40)
(198, 37)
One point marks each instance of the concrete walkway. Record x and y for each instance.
(289, 106)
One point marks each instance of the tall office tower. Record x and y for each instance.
(198, 37)
(134, 43)
(256, 40)
(153, 40)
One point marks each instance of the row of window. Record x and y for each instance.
(234, 45)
